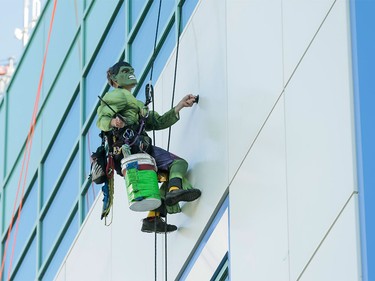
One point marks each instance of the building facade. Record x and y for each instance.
(280, 142)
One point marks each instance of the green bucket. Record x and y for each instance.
(141, 181)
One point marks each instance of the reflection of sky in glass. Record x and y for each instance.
(108, 55)
(159, 63)
(60, 150)
(26, 223)
(59, 210)
(187, 9)
(143, 44)
(135, 10)
(62, 250)
(27, 270)
(92, 141)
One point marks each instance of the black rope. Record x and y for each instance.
(175, 72)
(152, 70)
(151, 93)
(155, 244)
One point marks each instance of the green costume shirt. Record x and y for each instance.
(125, 104)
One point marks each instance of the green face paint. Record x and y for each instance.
(125, 76)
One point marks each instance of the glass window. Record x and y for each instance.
(27, 269)
(159, 64)
(90, 195)
(136, 8)
(222, 272)
(143, 44)
(92, 141)
(214, 246)
(2, 141)
(97, 21)
(62, 250)
(187, 9)
(108, 55)
(60, 96)
(21, 233)
(61, 148)
(62, 36)
(10, 192)
(60, 208)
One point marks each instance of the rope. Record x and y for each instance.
(170, 128)
(152, 70)
(153, 119)
(26, 157)
(175, 75)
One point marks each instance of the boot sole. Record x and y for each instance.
(186, 197)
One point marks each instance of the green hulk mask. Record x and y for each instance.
(122, 74)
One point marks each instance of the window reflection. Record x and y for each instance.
(143, 44)
(60, 150)
(159, 63)
(62, 250)
(60, 208)
(187, 10)
(107, 56)
(92, 141)
(136, 8)
(27, 269)
(22, 228)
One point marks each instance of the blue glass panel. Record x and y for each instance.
(27, 270)
(143, 44)
(164, 54)
(159, 63)
(136, 8)
(60, 208)
(62, 250)
(95, 24)
(187, 10)
(62, 36)
(92, 141)
(60, 96)
(61, 149)
(22, 228)
(108, 55)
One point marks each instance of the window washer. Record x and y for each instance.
(134, 118)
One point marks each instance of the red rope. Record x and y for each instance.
(29, 142)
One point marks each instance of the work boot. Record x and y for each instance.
(177, 195)
(156, 224)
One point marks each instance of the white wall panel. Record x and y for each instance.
(301, 20)
(90, 255)
(258, 208)
(254, 73)
(338, 256)
(320, 153)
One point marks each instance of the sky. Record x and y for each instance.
(11, 17)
